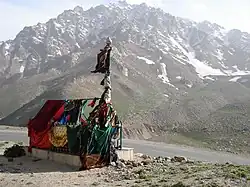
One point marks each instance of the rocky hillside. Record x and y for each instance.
(167, 72)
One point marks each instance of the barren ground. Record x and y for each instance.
(26, 171)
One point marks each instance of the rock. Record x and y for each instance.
(190, 161)
(141, 164)
(229, 163)
(80, 175)
(122, 160)
(145, 156)
(179, 159)
(95, 184)
(159, 158)
(135, 164)
(106, 180)
(113, 164)
(167, 158)
(129, 162)
(139, 154)
(120, 164)
(146, 162)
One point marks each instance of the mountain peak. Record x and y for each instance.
(122, 2)
(147, 27)
(78, 9)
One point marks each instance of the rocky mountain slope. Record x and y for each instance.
(168, 73)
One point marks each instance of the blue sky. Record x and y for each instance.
(15, 14)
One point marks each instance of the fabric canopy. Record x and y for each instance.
(40, 122)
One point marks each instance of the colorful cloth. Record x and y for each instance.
(40, 139)
(58, 136)
(77, 136)
(40, 122)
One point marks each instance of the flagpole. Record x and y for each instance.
(103, 66)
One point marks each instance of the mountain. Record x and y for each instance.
(169, 74)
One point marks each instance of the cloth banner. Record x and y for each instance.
(40, 139)
(58, 136)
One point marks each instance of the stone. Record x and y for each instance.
(190, 161)
(139, 154)
(135, 164)
(167, 158)
(80, 175)
(120, 164)
(146, 162)
(145, 156)
(113, 164)
(179, 159)
(122, 160)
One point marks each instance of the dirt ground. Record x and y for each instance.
(145, 171)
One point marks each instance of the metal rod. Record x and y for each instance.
(121, 135)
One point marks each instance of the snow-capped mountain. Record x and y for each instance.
(208, 48)
(184, 69)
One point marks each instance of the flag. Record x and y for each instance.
(103, 60)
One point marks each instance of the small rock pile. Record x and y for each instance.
(143, 160)
(14, 151)
(177, 171)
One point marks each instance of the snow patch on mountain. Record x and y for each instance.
(166, 95)
(7, 46)
(201, 68)
(146, 60)
(209, 78)
(36, 40)
(237, 72)
(189, 85)
(220, 33)
(230, 53)
(21, 69)
(234, 79)
(219, 55)
(164, 76)
(178, 77)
